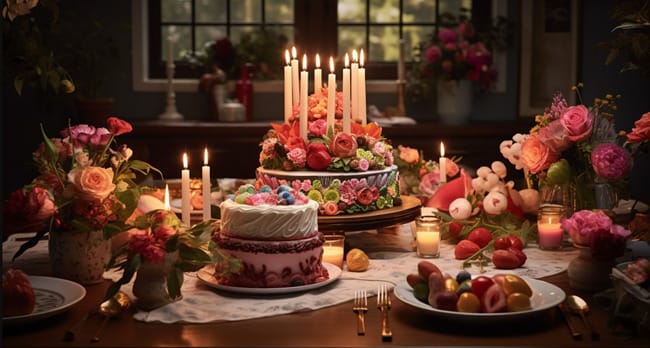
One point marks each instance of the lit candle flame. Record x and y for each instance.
(287, 57)
(167, 205)
(205, 157)
(347, 60)
(442, 149)
(355, 56)
(294, 53)
(184, 160)
(304, 62)
(361, 58)
(317, 61)
(331, 64)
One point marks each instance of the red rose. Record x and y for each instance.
(344, 145)
(118, 126)
(318, 158)
(367, 195)
(641, 130)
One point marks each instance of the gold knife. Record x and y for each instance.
(567, 318)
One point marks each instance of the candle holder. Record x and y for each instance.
(170, 113)
(333, 249)
(549, 226)
(401, 95)
(427, 236)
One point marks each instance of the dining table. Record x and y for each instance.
(333, 324)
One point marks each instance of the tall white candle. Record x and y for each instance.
(170, 49)
(318, 76)
(185, 193)
(400, 63)
(354, 89)
(346, 95)
(166, 200)
(288, 102)
(443, 164)
(295, 86)
(206, 186)
(331, 96)
(304, 85)
(362, 89)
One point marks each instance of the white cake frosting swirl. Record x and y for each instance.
(269, 222)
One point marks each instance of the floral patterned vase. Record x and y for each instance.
(588, 273)
(79, 256)
(454, 101)
(150, 285)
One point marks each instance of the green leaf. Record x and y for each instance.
(51, 153)
(174, 283)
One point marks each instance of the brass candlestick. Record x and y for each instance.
(401, 91)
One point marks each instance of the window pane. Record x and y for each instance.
(279, 11)
(182, 43)
(246, 11)
(211, 11)
(384, 43)
(454, 6)
(236, 33)
(351, 11)
(351, 38)
(419, 11)
(414, 36)
(384, 11)
(176, 11)
(208, 34)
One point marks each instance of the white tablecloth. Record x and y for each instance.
(391, 260)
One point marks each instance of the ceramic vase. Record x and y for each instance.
(588, 273)
(455, 100)
(150, 285)
(79, 256)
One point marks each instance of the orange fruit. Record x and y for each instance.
(357, 260)
(518, 302)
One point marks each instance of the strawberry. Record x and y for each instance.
(465, 248)
(505, 259)
(481, 236)
(17, 294)
(455, 228)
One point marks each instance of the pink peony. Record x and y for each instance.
(433, 54)
(578, 122)
(609, 244)
(535, 155)
(318, 127)
(610, 161)
(641, 130)
(298, 157)
(584, 224)
(447, 35)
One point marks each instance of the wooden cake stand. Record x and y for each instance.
(407, 212)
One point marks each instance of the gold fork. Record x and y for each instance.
(360, 307)
(383, 303)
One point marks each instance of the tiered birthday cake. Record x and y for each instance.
(345, 172)
(274, 233)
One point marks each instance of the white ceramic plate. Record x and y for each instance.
(53, 296)
(205, 275)
(545, 296)
(177, 205)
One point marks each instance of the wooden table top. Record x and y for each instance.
(330, 327)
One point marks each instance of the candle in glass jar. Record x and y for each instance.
(318, 77)
(304, 84)
(443, 164)
(346, 95)
(427, 236)
(549, 226)
(288, 102)
(331, 95)
(185, 192)
(333, 247)
(206, 186)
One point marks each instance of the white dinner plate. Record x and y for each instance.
(53, 296)
(545, 296)
(206, 276)
(177, 207)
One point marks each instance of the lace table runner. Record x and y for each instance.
(391, 260)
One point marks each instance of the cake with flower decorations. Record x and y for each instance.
(345, 172)
(274, 233)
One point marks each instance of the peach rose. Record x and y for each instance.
(344, 145)
(92, 183)
(535, 155)
(641, 130)
(578, 122)
(408, 154)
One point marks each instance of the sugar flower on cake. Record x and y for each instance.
(86, 182)
(596, 230)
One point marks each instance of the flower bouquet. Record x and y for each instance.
(160, 249)
(420, 177)
(84, 186)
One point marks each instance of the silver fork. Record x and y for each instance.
(383, 303)
(360, 307)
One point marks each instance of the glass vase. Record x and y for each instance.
(455, 99)
(588, 273)
(150, 285)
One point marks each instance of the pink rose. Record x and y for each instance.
(452, 168)
(578, 122)
(40, 204)
(344, 145)
(298, 156)
(408, 155)
(363, 164)
(118, 126)
(555, 136)
(433, 54)
(429, 183)
(641, 130)
(318, 127)
(92, 183)
(535, 155)
(610, 161)
(318, 158)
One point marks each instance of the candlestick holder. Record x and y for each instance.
(401, 92)
(170, 110)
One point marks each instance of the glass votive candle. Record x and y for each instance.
(333, 249)
(549, 226)
(427, 236)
